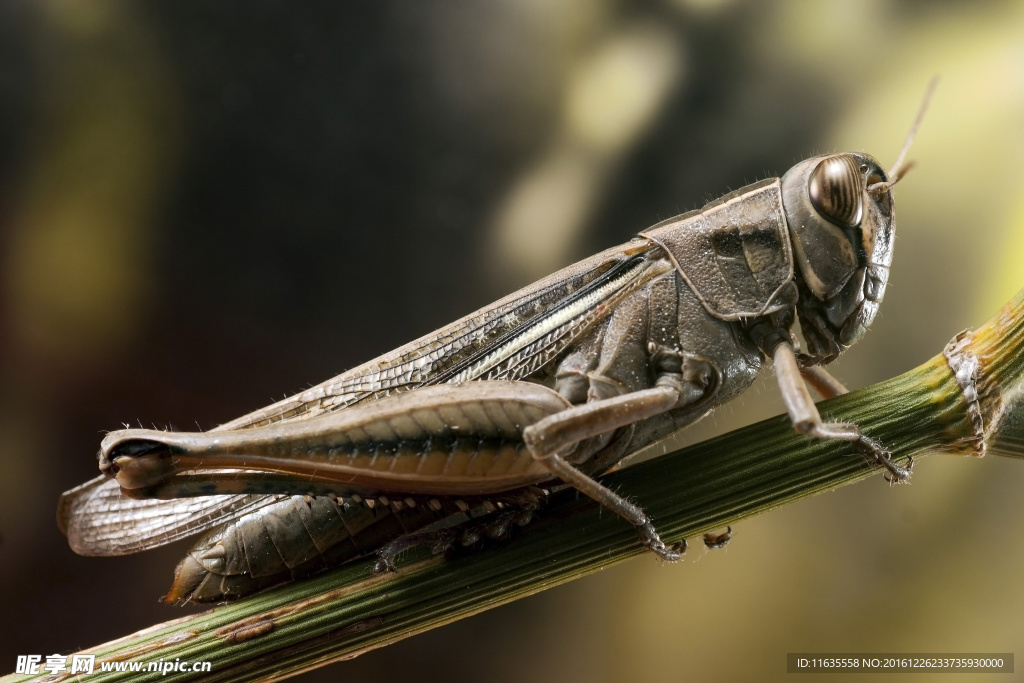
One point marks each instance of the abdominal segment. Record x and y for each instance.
(298, 537)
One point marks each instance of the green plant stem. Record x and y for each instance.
(689, 492)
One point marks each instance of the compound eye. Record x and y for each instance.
(836, 188)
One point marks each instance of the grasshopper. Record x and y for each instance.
(456, 434)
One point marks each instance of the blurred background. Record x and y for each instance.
(205, 206)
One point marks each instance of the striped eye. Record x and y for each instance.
(836, 189)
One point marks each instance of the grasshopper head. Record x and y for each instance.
(839, 209)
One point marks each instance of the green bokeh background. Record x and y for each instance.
(207, 205)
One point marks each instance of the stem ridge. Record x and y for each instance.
(964, 365)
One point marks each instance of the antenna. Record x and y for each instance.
(899, 169)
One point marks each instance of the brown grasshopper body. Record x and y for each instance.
(559, 381)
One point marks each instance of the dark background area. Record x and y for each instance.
(207, 206)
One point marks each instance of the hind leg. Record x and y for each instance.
(682, 381)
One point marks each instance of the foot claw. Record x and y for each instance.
(384, 565)
(900, 475)
(650, 538)
(715, 541)
(877, 455)
(672, 553)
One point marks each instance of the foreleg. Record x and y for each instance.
(807, 420)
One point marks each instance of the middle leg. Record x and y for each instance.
(688, 381)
